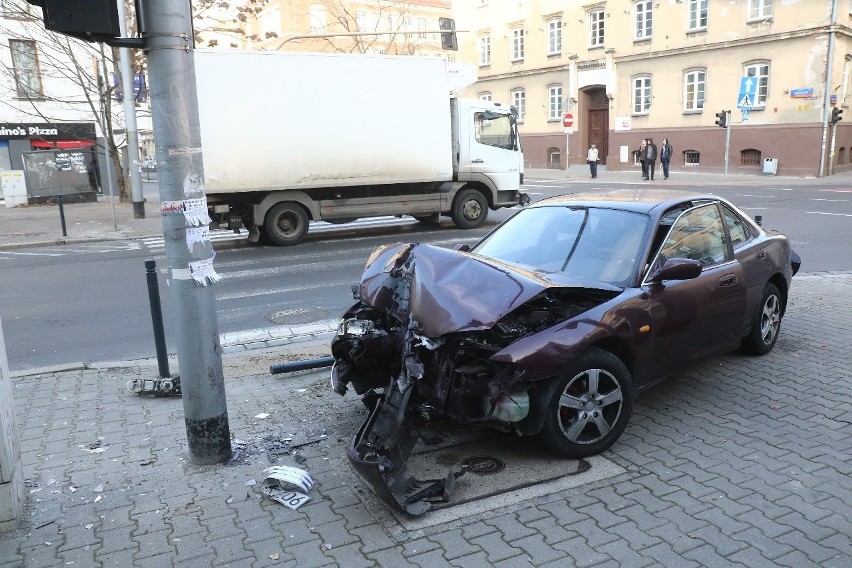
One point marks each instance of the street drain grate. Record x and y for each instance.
(295, 316)
(483, 465)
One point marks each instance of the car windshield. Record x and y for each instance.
(587, 243)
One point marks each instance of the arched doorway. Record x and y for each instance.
(597, 119)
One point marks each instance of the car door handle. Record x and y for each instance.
(477, 161)
(728, 280)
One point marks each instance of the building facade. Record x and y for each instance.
(49, 126)
(621, 71)
(400, 27)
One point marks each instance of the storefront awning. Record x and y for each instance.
(60, 144)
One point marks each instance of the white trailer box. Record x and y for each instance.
(288, 138)
(300, 120)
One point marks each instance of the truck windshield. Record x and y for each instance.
(494, 130)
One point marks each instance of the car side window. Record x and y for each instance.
(699, 235)
(739, 231)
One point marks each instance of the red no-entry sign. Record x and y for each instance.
(568, 120)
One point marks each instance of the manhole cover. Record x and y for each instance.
(293, 316)
(482, 465)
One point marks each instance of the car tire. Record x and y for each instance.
(286, 224)
(766, 323)
(589, 405)
(470, 209)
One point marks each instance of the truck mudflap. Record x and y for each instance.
(381, 446)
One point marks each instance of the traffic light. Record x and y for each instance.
(835, 115)
(90, 20)
(448, 38)
(722, 119)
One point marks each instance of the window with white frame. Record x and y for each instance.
(554, 36)
(759, 9)
(486, 96)
(270, 22)
(421, 28)
(693, 90)
(362, 20)
(554, 102)
(759, 70)
(847, 68)
(519, 101)
(596, 28)
(518, 44)
(25, 67)
(641, 94)
(485, 50)
(697, 15)
(644, 17)
(317, 17)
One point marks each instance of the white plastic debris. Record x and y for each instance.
(281, 482)
(263, 415)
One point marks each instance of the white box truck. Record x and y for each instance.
(293, 137)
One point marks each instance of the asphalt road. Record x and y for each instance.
(90, 302)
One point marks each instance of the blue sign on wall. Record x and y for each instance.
(802, 93)
(140, 87)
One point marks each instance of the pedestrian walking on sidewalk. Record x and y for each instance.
(665, 156)
(592, 159)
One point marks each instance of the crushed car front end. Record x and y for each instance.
(433, 329)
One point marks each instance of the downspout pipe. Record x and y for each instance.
(826, 106)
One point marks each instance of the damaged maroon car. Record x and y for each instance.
(552, 324)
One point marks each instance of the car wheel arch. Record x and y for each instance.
(780, 283)
(542, 389)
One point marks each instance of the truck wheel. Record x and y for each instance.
(286, 224)
(469, 209)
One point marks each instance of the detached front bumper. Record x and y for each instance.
(381, 446)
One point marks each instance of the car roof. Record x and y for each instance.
(648, 201)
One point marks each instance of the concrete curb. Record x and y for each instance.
(232, 344)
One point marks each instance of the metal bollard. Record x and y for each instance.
(157, 317)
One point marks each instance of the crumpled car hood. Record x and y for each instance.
(452, 291)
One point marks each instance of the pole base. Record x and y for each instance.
(138, 209)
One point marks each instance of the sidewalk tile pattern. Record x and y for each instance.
(736, 462)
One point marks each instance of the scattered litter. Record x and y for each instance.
(263, 415)
(99, 488)
(45, 524)
(149, 461)
(325, 547)
(299, 458)
(98, 498)
(72, 488)
(48, 543)
(89, 526)
(280, 481)
(250, 482)
(301, 390)
(274, 556)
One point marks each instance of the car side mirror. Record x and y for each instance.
(462, 247)
(676, 269)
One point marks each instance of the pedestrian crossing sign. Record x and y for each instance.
(748, 91)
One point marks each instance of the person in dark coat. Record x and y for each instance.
(665, 156)
(643, 148)
(650, 157)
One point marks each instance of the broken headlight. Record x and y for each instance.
(354, 327)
